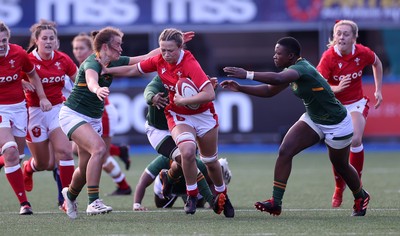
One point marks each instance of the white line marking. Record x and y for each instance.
(204, 210)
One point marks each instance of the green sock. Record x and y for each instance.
(72, 193)
(93, 193)
(204, 189)
(278, 192)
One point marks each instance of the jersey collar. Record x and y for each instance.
(180, 57)
(353, 50)
(7, 50)
(36, 54)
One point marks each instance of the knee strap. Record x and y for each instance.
(8, 145)
(206, 160)
(185, 137)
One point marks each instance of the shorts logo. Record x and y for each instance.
(180, 118)
(36, 131)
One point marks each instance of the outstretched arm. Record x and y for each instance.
(378, 74)
(120, 71)
(262, 90)
(285, 77)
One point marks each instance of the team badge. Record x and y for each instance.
(36, 131)
(357, 60)
(57, 64)
(12, 63)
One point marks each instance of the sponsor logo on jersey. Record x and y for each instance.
(4, 79)
(354, 75)
(53, 79)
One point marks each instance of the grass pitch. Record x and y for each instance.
(306, 204)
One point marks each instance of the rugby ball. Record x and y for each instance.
(186, 88)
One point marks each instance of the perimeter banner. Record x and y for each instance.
(74, 16)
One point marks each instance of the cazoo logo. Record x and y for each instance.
(53, 79)
(354, 75)
(4, 79)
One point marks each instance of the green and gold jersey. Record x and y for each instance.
(318, 97)
(81, 99)
(155, 117)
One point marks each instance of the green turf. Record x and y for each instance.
(306, 205)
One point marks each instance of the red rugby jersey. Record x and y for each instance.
(334, 67)
(11, 66)
(187, 66)
(51, 73)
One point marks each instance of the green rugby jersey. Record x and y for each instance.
(81, 99)
(318, 98)
(155, 117)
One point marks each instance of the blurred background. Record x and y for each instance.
(238, 33)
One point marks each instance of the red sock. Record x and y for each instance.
(28, 166)
(192, 193)
(1, 161)
(123, 184)
(339, 182)
(114, 150)
(16, 181)
(357, 161)
(66, 173)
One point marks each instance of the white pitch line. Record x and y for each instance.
(205, 210)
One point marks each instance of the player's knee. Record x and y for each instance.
(356, 141)
(9, 144)
(183, 140)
